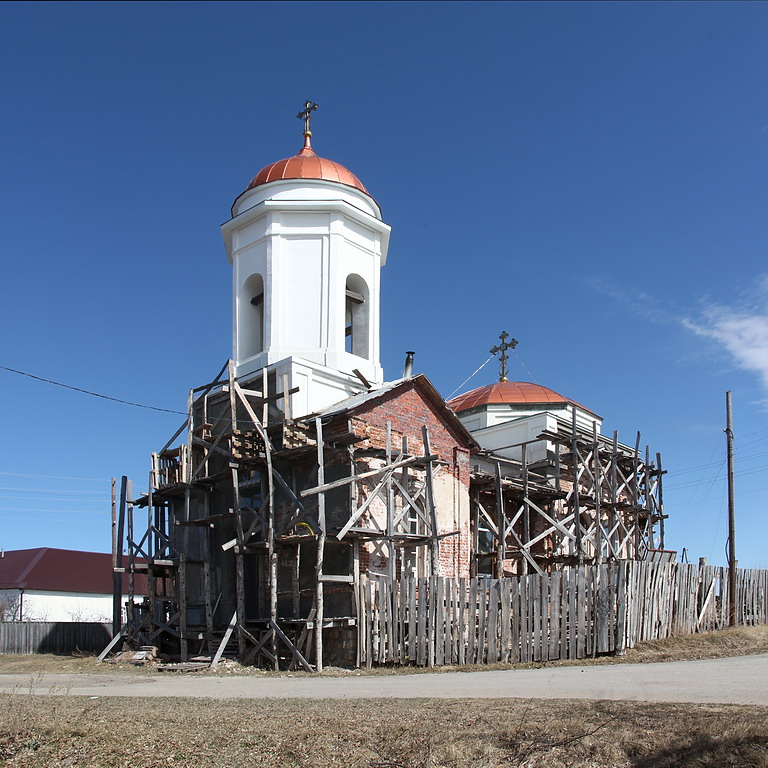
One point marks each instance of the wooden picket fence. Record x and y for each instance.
(59, 637)
(569, 614)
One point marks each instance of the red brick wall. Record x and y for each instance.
(408, 411)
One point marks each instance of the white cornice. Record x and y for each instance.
(341, 206)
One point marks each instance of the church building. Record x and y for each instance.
(302, 472)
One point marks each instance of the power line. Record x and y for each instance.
(79, 499)
(58, 477)
(718, 476)
(742, 458)
(52, 490)
(469, 377)
(525, 367)
(88, 392)
(66, 511)
(43, 519)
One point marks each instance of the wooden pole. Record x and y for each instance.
(117, 577)
(526, 508)
(501, 525)
(434, 543)
(660, 497)
(391, 570)
(598, 493)
(404, 482)
(575, 495)
(636, 494)
(320, 548)
(287, 413)
(186, 466)
(731, 516)
(114, 522)
(648, 501)
(131, 546)
(475, 535)
(614, 494)
(265, 395)
(232, 403)
(271, 549)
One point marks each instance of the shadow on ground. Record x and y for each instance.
(747, 752)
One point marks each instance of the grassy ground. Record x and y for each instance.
(38, 731)
(740, 641)
(75, 732)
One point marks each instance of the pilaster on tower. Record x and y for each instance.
(307, 242)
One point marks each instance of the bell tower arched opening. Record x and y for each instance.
(251, 317)
(357, 317)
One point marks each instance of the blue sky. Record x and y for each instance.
(592, 178)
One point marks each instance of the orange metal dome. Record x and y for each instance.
(510, 393)
(306, 165)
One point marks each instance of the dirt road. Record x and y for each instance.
(739, 680)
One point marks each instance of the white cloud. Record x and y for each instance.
(632, 300)
(741, 330)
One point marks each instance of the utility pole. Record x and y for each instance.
(731, 516)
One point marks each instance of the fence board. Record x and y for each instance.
(56, 637)
(462, 642)
(472, 622)
(482, 620)
(514, 611)
(570, 613)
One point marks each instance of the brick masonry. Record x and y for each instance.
(408, 408)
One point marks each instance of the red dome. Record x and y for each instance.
(510, 393)
(306, 165)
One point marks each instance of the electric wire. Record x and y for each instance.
(78, 499)
(469, 377)
(51, 490)
(66, 511)
(88, 392)
(58, 477)
(524, 366)
(717, 476)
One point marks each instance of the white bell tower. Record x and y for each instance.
(306, 242)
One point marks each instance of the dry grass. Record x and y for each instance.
(49, 663)
(76, 732)
(37, 731)
(741, 641)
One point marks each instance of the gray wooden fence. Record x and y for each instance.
(60, 637)
(568, 614)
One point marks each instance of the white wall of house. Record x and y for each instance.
(505, 438)
(42, 605)
(504, 428)
(494, 415)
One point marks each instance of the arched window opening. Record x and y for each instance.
(356, 317)
(251, 320)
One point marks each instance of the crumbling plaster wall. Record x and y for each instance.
(408, 411)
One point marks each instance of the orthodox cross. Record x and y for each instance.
(306, 115)
(503, 357)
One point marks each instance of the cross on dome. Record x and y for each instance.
(503, 357)
(306, 116)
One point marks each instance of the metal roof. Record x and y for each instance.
(57, 570)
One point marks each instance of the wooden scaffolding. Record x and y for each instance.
(255, 530)
(593, 500)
